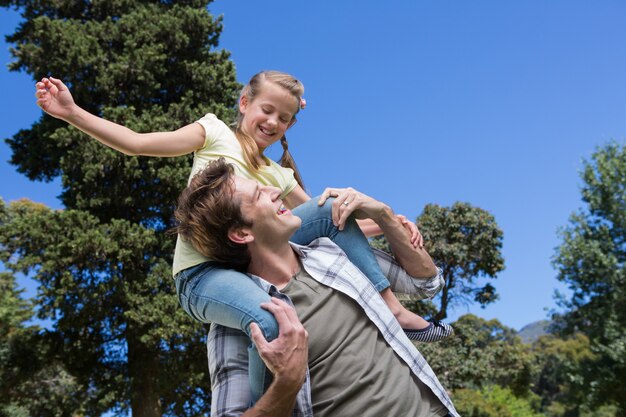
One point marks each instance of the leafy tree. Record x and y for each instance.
(494, 401)
(104, 263)
(465, 242)
(32, 381)
(590, 260)
(481, 353)
(559, 381)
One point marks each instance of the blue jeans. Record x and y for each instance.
(227, 297)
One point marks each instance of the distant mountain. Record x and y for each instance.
(533, 331)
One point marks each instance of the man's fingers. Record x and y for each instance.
(322, 199)
(285, 315)
(328, 192)
(257, 336)
(344, 202)
(343, 218)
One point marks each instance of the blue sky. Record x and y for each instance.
(414, 102)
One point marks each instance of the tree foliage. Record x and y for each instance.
(104, 263)
(495, 401)
(465, 242)
(558, 379)
(33, 381)
(590, 260)
(490, 372)
(481, 353)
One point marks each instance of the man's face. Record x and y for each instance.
(261, 204)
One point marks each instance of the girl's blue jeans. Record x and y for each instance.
(209, 293)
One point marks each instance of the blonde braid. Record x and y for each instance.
(286, 160)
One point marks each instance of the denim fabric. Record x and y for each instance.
(317, 222)
(209, 293)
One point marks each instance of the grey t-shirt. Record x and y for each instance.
(353, 370)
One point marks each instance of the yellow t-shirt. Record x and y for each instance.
(221, 141)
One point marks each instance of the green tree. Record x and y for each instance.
(590, 260)
(558, 380)
(494, 401)
(481, 353)
(104, 263)
(32, 380)
(465, 242)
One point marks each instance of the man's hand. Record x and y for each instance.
(348, 201)
(287, 355)
(404, 238)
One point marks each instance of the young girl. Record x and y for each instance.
(268, 105)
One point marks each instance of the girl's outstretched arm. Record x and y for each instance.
(55, 99)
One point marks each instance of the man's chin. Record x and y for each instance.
(299, 223)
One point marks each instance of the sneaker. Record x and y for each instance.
(434, 332)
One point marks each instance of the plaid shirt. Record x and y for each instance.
(325, 262)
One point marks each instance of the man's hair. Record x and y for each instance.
(207, 210)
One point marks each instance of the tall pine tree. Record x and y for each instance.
(103, 264)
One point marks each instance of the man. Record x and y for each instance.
(344, 336)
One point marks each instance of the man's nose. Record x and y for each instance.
(274, 193)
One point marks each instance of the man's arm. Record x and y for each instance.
(286, 357)
(415, 260)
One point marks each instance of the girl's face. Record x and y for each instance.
(269, 115)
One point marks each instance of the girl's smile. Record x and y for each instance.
(269, 115)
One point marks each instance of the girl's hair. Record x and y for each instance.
(249, 146)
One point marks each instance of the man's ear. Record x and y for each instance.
(240, 235)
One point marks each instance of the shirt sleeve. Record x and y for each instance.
(212, 128)
(228, 365)
(402, 282)
(285, 178)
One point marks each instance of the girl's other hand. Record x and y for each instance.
(54, 98)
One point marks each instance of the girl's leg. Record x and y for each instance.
(317, 222)
(229, 298)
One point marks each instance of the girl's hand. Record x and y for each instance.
(417, 240)
(54, 98)
(348, 201)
